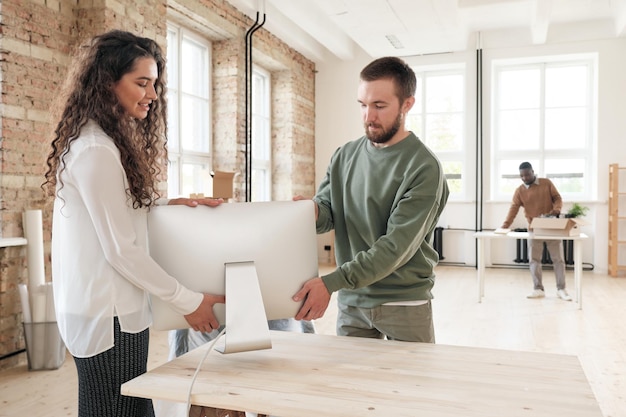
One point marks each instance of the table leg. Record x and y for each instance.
(480, 272)
(578, 271)
(200, 411)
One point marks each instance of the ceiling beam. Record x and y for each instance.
(283, 28)
(619, 11)
(540, 20)
(478, 3)
(454, 26)
(447, 12)
(318, 25)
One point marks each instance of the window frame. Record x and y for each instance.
(262, 164)
(178, 157)
(539, 156)
(458, 156)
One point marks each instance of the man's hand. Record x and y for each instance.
(316, 298)
(203, 319)
(194, 202)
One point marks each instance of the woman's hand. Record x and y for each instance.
(203, 319)
(194, 202)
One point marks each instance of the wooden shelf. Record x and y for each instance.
(615, 171)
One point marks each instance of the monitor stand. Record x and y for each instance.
(246, 321)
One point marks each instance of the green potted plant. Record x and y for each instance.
(576, 211)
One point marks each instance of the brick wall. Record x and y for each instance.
(36, 40)
(33, 55)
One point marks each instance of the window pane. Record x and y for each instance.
(438, 119)
(519, 89)
(260, 145)
(568, 175)
(566, 128)
(444, 132)
(417, 107)
(172, 58)
(261, 136)
(509, 178)
(518, 129)
(566, 86)
(444, 93)
(196, 178)
(414, 124)
(172, 121)
(194, 126)
(454, 175)
(194, 68)
(260, 185)
(259, 96)
(172, 178)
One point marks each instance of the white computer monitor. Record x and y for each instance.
(272, 245)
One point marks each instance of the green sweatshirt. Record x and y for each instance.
(383, 204)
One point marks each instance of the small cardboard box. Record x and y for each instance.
(552, 226)
(223, 184)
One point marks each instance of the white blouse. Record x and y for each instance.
(100, 264)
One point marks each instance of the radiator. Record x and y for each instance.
(438, 241)
(522, 251)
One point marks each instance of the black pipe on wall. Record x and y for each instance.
(248, 102)
(478, 226)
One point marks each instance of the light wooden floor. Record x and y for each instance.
(505, 319)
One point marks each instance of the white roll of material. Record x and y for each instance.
(23, 289)
(33, 232)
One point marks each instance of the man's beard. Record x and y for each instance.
(385, 135)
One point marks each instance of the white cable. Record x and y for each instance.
(193, 380)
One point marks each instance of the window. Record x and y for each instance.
(189, 113)
(438, 119)
(261, 136)
(543, 114)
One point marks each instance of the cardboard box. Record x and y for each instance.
(223, 184)
(552, 226)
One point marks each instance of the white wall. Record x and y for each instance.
(338, 121)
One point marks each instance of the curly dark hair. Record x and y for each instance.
(87, 94)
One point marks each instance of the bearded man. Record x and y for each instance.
(382, 195)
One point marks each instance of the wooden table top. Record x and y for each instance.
(308, 375)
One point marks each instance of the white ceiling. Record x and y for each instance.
(323, 28)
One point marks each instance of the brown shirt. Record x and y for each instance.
(541, 197)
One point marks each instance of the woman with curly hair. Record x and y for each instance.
(103, 171)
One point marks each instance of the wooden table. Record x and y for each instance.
(481, 237)
(310, 375)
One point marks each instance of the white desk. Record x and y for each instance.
(481, 237)
(312, 375)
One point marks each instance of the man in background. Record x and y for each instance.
(539, 197)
